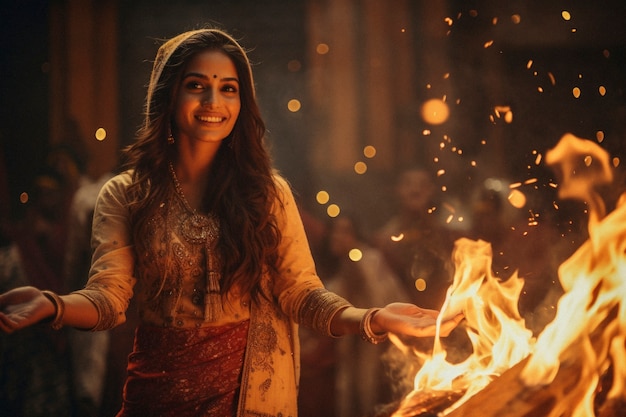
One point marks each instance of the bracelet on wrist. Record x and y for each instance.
(59, 306)
(366, 331)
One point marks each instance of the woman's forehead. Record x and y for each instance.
(212, 62)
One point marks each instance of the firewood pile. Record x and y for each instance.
(508, 396)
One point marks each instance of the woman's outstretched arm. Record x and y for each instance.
(25, 306)
(400, 318)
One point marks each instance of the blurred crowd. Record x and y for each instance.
(47, 244)
(80, 373)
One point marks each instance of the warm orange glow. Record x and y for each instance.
(369, 151)
(100, 134)
(333, 210)
(322, 197)
(355, 255)
(294, 105)
(435, 111)
(360, 167)
(397, 238)
(504, 112)
(322, 49)
(517, 198)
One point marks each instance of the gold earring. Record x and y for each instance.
(170, 139)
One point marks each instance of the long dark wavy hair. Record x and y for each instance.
(245, 193)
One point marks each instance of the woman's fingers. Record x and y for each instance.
(22, 307)
(448, 325)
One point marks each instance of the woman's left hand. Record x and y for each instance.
(411, 320)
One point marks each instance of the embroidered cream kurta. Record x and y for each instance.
(166, 277)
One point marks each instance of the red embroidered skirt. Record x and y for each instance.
(185, 372)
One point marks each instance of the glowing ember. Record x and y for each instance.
(517, 198)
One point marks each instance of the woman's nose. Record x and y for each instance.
(210, 98)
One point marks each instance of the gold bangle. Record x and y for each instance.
(59, 307)
(366, 329)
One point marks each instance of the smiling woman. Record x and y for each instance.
(207, 237)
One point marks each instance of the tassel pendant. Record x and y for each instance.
(213, 298)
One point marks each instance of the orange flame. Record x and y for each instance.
(594, 285)
(594, 282)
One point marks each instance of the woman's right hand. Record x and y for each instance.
(23, 307)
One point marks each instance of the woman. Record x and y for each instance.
(209, 240)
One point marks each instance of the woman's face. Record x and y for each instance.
(207, 101)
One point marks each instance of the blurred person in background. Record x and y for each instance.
(360, 272)
(34, 365)
(415, 244)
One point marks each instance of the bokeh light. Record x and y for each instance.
(294, 105)
(333, 210)
(420, 284)
(360, 167)
(355, 255)
(294, 65)
(369, 151)
(322, 49)
(322, 197)
(101, 134)
(435, 111)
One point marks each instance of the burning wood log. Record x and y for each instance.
(507, 396)
(426, 403)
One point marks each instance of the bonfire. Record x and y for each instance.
(576, 366)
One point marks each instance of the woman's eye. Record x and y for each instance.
(230, 88)
(194, 85)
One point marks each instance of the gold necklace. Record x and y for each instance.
(196, 228)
